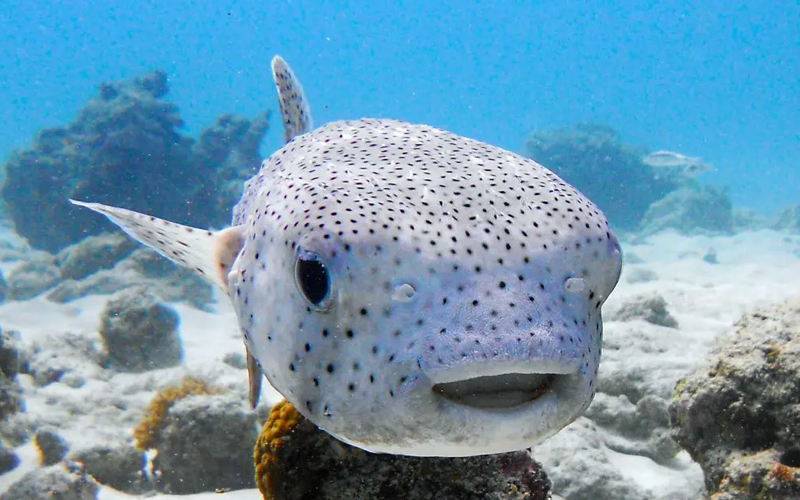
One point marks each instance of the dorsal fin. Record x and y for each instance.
(209, 253)
(294, 107)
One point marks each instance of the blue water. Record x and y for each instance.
(717, 79)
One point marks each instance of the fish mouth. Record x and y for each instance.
(497, 392)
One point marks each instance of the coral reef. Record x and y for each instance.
(295, 460)
(139, 333)
(594, 159)
(738, 413)
(691, 210)
(651, 308)
(125, 148)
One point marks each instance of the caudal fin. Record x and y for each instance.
(209, 253)
(295, 110)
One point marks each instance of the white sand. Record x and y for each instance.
(754, 268)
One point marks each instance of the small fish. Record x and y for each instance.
(408, 290)
(676, 163)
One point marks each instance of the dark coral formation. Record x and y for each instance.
(594, 159)
(738, 415)
(125, 148)
(295, 460)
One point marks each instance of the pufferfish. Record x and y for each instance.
(409, 290)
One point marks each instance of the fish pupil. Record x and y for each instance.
(312, 277)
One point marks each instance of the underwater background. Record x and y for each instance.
(713, 79)
(108, 352)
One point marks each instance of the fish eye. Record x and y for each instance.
(312, 278)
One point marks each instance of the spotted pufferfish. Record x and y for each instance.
(408, 290)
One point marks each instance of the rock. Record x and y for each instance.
(139, 333)
(3, 287)
(296, 461)
(651, 308)
(52, 447)
(594, 159)
(118, 466)
(143, 269)
(10, 365)
(788, 219)
(749, 220)
(205, 443)
(125, 148)
(236, 360)
(93, 254)
(57, 482)
(8, 459)
(738, 413)
(38, 274)
(63, 354)
(582, 471)
(711, 256)
(641, 275)
(690, 210)
(176, 283)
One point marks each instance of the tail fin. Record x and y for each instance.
(210, 254)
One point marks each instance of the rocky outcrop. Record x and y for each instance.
(139, 333)
(738, 414)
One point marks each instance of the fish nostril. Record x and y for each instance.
(403, 293)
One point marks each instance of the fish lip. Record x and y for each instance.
(498, 392)
(503, 385)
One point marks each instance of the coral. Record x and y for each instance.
(125, 148)
(738, 413)
(295, 460)
(146, 433)
(139, 333)
(691, 210)
(283, 418)
(594, 159)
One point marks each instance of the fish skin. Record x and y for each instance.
(455, 266)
